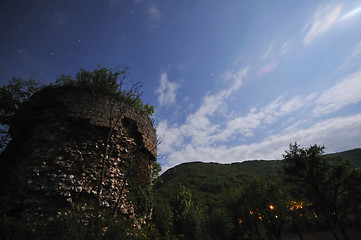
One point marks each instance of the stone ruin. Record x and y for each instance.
(60, 138)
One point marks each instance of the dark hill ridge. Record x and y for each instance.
(353, 155)
(225, 194)
(202, 170)
(211, 180)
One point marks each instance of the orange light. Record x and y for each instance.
(271, 207)
(250, 212)
(295, 205)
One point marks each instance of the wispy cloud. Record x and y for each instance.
(346, 92)
(113, 3)
(276, 50)
(236, 77)
(322, 21)
(353, 61)
(166, 90)
(154, 16)
(201, 139)
(270, 59)
(357, 51)
(268, 52)
(285, 48)
(204, 137)
(274, 146)
(154, 13)
(60, 19)
(269, 67)
(245, 125)
(198, 127)
(200, 135)
(350, 14)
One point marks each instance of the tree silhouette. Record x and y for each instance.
(186, 214)
(331, 187)
(12, 95)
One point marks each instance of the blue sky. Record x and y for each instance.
(230, 80)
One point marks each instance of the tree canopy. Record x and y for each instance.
(101, 80)
(331, 187)
(110, 82)
(13, 94)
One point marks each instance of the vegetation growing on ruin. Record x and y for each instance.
(110, 82)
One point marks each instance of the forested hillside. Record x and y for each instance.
(218, 194)
(211, 180)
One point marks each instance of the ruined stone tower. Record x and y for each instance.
(73, 148)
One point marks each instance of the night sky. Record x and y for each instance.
(230, 80)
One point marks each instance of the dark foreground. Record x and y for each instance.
(354, 234)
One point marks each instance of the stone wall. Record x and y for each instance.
(60, 138)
